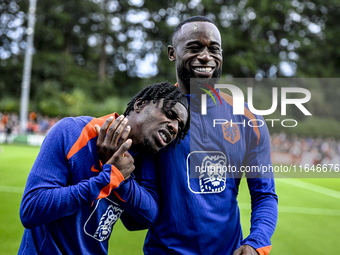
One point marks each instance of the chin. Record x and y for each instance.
(150, 147)
(186, 73)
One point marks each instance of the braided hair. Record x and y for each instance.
(168, 92)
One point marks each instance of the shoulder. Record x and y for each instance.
(69, 126)
(65, 132)
(83, 131)
(70, 122)
(243, 110)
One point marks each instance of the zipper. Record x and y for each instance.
(204, 128)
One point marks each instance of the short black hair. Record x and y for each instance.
(188, 20)
(167, 91)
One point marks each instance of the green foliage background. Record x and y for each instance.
(88, 54)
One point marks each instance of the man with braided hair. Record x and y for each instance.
(153, 93)
(82, 181)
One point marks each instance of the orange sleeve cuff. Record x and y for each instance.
(116, 179)
(264, 250)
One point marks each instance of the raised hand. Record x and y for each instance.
(111, 137)
(122, 160)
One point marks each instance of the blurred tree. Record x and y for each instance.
(12, 17)
(99, 49)
(262, 39)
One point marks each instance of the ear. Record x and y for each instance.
(171, 53)
(139, 105)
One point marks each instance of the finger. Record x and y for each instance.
(124, 148)
(102, 132)
(121, 154)
(124, 136)
(112, 129)
(97, 128)
(127, 155)
(117, 135)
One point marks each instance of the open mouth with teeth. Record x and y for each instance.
(165, 137)
(203, 70)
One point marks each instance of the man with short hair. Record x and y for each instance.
(74, 194)
(199, 211)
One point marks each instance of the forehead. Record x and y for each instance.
(205, 32)
(181, 112)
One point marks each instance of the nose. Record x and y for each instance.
(173, 127)
(205, 55)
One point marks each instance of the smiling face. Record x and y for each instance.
(156, 127)
(197, 52)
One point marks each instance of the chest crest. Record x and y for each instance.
(231, 133)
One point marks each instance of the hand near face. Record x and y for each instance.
(122, 160)
(245, 250)
(117, 133)
(112, 145)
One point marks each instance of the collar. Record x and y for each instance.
(195, 100)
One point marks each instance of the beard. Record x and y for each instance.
(148, 146)
(186, 74)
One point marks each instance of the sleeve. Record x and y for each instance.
(139, 195)
(48, 194)
(261, 185)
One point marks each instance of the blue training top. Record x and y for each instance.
(199, 208)
(71, 202)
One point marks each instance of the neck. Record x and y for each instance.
(135, 148)
(182, 87)
(133, 130)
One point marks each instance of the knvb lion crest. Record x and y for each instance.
(100, 223)
(206, 171)
(231, 132)
(107, 221)
(213, 175)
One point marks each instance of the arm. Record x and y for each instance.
(48, 195)
(263, 196)
(141, 194)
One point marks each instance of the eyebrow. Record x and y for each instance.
(200, 43)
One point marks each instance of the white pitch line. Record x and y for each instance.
(310, 186)
(11, 189)
(300, 210)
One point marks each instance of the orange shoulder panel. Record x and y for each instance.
(88, 133)
(247, 113)
(264, 250)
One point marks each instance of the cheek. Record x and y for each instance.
(147, 128)
(187, 58)
(218, 59)
(149, 120)
(152, 120)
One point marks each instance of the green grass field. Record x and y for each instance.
(309, 211)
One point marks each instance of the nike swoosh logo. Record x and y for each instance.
(94, 170)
